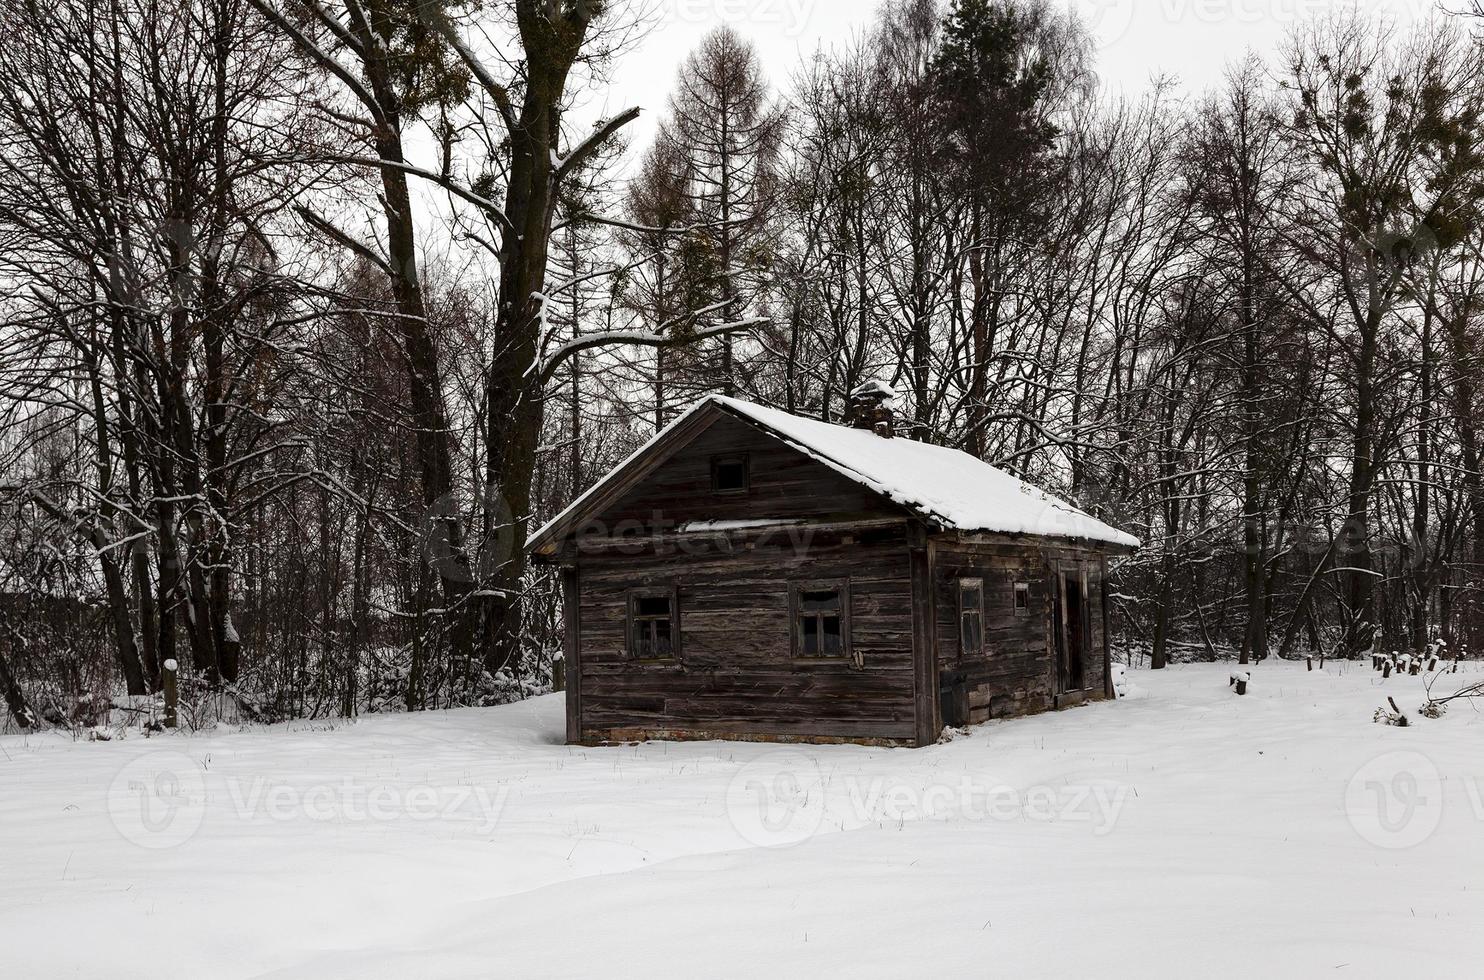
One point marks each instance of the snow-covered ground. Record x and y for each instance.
(1182, 831)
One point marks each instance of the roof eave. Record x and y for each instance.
(546, 542)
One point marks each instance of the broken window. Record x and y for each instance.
(971, 615)
(821, 622)
(654, 632)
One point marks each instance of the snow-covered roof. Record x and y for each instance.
(950, 488)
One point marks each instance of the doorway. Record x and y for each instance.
(1070, 625)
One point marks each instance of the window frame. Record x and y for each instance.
(1018, 589)
(742, 459)
(632, 620)
(965, 585)
(796, 589)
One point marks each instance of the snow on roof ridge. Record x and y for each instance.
(951, 487)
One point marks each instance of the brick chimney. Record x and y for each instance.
(869, 408)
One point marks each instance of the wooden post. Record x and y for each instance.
(1386, 669)
(928, 723)
(558, 675)
(572, 651)
(172, 694)
(1108, 690)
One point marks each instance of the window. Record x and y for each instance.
(1022, 598)
(970, 615)
(654, 628)
(821, 615)
(729, 474)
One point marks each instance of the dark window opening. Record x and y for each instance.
(729, 474)
(821, 623)
(1022, 599)
(971, 615)
(653, 632)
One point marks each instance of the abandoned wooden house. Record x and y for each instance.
(749, 574)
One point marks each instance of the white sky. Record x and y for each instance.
(1190, 39)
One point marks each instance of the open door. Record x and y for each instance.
(1070, 625)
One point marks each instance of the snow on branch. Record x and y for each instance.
(322, 57)
(602, 132)
(344, 240)
(548, 365)
(447, 183)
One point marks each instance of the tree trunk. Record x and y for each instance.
(1465, 410)
(15, 701)
(1355, 536)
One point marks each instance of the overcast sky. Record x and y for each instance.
(1191, 39)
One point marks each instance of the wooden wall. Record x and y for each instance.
(786, 484)
(1015, 674)
(736, 674)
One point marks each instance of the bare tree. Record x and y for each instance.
(724, 127)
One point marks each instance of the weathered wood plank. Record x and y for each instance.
(929, 724)
(572, 650)
(736, 665)
(784, 483)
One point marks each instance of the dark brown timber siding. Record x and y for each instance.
(1015, 674)
(736, 675)
(785, 483)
